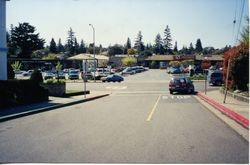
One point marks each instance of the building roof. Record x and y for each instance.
(160, 58)
(184, 57)
(85, 56)
(210, 57)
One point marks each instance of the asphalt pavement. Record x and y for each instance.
(52, 104)
(140, 122)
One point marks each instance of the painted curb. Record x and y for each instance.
(233, 115)
(39, 110)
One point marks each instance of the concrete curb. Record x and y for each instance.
(233, 115)
(235, 95)
(39, 110)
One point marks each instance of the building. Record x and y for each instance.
(162, 61)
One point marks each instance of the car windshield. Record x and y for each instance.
(73, 72)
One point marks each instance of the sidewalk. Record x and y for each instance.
(53, 103)
(233, 112)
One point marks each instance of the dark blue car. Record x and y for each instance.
(215, 77)
(113, 78)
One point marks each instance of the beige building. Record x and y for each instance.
(162, 61)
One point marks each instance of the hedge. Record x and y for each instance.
(17, 92)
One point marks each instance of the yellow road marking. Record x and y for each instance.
(153, 110)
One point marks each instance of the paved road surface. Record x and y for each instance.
(141, 123)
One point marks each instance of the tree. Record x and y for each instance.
(239, 67)
(127, 46)
(191, 48)
(58, 69)
(128, 61)
(158, 47)
(245, 33)
(24, 40)
(71, 41)
(139, 45)
(116, 49)
(184, 50)
(167, 41)
(82, 47)
(205, 64)
(76, 46)
(198, 46)
(60, 47)
(52, 47)
(16, 65)
(175, 47)
(208, 50)
(175, 63)
(131, 51)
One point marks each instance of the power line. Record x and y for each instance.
(241, 14)
(234, 21)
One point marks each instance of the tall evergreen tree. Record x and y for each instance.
(52, 46)
(158, 47)
(60, 47)
(191, 48)
(198, 46)
(82, 48)
(71, 41)
(167, 41)
(175, 47)
(127, 46)
(76, 46)
(24, 40)
(139, 45)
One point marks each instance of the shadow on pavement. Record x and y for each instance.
(25, 107)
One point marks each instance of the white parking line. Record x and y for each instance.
(153, 110)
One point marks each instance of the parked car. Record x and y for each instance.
(100, 72)
(113, 78)
(60, 75)
(48, 75)
(181, 85)
(88, 75)
(73, 74)
(175, 70)
(215, 77)
(128, 70)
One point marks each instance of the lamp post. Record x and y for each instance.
(93, 49)
(3, 49)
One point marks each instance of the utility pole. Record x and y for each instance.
(3, 45)
(226, 86)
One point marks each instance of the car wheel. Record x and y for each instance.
(171, 92)
(218, 83)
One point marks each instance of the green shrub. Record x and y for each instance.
(36, 76)
(53, 81)
(16, 92)
(10, 72)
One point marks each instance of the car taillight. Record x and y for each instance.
(171, 85)
(184, 84)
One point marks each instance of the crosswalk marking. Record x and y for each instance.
(175, 97)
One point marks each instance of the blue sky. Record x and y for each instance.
(116, 20)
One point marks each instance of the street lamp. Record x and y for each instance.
(93, 48)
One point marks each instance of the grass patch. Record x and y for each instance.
(73, 91)
(198, 77)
